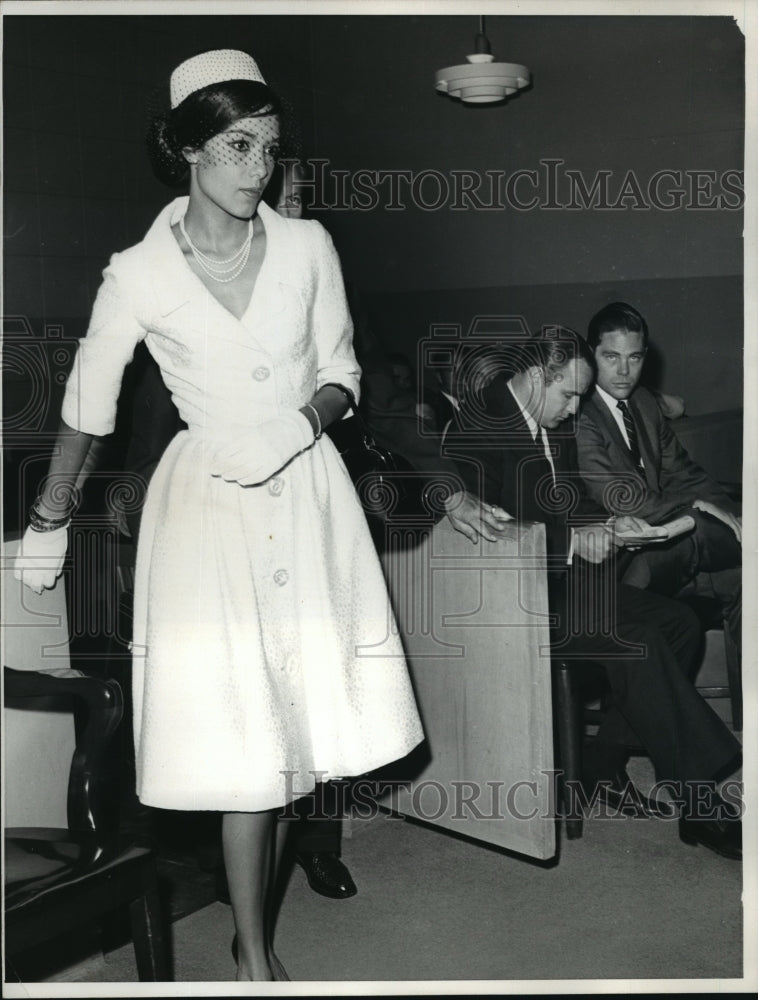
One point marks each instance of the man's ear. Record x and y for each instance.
(536, 374)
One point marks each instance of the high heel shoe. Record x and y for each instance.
(279, 970)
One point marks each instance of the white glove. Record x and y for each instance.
(40, 558)
(257, 455)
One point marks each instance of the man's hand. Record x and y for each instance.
(473, 518)
(625, 527)
(593, 542)
(627, 524)
(730, 520)
(426, 412)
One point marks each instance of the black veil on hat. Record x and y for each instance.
(212, 106)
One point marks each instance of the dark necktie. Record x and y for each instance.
(631, 432)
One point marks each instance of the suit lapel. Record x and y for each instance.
(603, 416)
(649, 455)
(531, 478)
(621, 455)
(526, 464)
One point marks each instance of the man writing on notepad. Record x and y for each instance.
(516, 451)
(632, 463)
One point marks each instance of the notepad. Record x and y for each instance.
(658, 533)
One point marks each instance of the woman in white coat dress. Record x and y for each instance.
(264, 649)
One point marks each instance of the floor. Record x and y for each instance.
(626, 901)
(625, 904)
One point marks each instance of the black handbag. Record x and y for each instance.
(387, 484)
(392, 492)
(377, 473)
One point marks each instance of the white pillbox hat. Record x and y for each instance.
(212, 67)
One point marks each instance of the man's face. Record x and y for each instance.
(402, 376)
(561, 397)
(620, 356)
(290, 205)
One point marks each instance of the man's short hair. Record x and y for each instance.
(552, 349)
(475, 365)
(616, 316)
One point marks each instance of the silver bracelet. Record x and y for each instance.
(38, 522)
(43, 522)
(316, 434)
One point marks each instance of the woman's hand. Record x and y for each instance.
(39, 561)
(263, 451)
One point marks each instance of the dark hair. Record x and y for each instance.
(199, 117)
(552, 349)
(616, 316)
(476, 364)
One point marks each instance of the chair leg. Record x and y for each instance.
(569, 748)
(147, 934)
(734, 676)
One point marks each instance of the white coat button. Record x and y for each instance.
(281, 577)
(261, 374)
(275, 486)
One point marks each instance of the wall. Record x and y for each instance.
(78, 185)
(614, 94)
(696, 324)
(620, 94)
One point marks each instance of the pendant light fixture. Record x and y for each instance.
(481, 80)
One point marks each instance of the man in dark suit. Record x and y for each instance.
(517, 453)
(632, 462)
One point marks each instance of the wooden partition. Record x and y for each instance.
(474, 623)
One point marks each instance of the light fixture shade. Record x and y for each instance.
(482, 80)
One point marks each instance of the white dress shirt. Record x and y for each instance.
(536, 430)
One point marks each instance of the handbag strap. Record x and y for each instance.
(368, 437)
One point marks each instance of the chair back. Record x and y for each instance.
(98, 705)
(39, 743)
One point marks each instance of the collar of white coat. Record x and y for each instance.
(174, 281)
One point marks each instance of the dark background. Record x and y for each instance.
(609, 93)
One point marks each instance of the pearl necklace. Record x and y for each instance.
(217, 269)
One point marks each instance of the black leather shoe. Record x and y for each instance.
(623, 796)
(723, 836)
(327, 875)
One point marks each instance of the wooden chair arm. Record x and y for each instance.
(98, 707)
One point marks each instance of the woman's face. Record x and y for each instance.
(233, 167)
